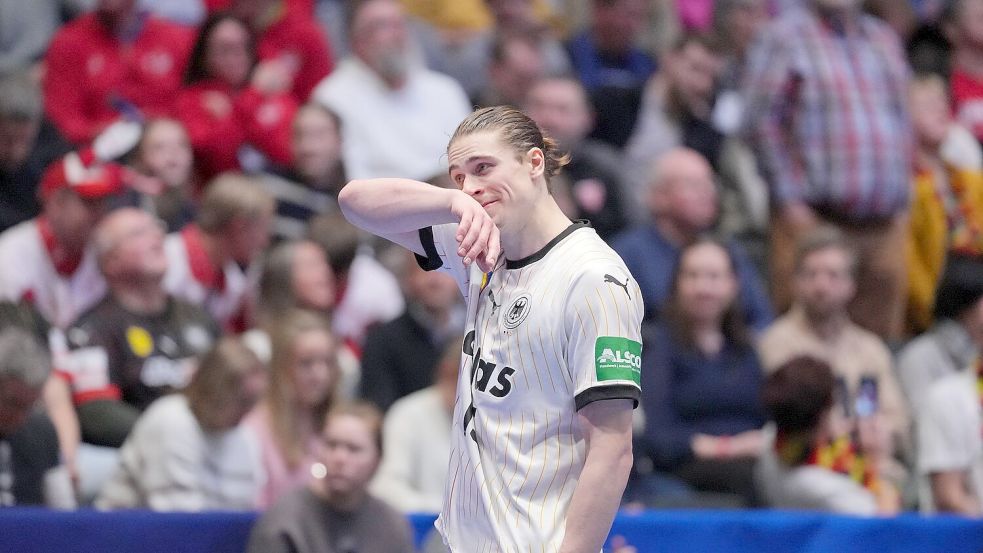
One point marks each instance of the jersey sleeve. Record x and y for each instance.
(440, 244)
(602, 322)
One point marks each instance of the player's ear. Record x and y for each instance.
(537, 162)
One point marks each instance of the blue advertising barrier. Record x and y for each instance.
(38, 530)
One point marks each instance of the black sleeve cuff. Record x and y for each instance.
(432, 261)
(599, 393)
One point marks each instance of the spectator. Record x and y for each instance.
(517, 62)
(676, 108)
(287, 33)
(138, 343)
(228, 105)
(702, 409)
(368, 293)
(295, 275)
(606, 55)
(467, 58)
(26, 29)
(311, 184)
(396, 115)
(560, 106)
(164, 153)
(417, 440)
(188, 452)
(303, 378)
(799, 398)
(966, 80)
(682, 201)
(45, 260)
(956, 339)
(31, 472)
(28, 144)
(827, 110)
(112, 63)
(819, 325)
(947, 207)
(336, 512)
(401, 356)
(950, 448)
(206, 260)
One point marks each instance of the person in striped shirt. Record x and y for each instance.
(550, 372)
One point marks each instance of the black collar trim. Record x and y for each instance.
(528, 260)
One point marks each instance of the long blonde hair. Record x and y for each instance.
(281, 397)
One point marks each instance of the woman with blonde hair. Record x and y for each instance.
(303, 378)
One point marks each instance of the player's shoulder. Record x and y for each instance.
(592, 258)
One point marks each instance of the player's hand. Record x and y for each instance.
(477, 236)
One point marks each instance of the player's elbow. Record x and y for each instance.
(349, 196)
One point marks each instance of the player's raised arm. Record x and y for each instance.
(396, 209)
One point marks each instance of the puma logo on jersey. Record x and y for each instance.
(612, 280)
(491, 298)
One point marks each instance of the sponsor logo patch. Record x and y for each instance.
(617, 358)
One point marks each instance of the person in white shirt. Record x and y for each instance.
(396, 114)
(188, 452)
(416, 442)
(541, 435)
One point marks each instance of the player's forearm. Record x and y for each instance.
(597, 497)
(386, 206)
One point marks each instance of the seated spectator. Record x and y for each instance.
(138, 343)
(676, 107)
(950, 447)
(26, 29)
(606, 55)
(560, 106)
(311, 184)
(467, 57)
(164, 153)
(799, 398)
(966, 79)
(371, 91)
(368, 293)
(702, 398)
(955, 340)
(294, 275)
(303, 378)
(46, 261)
(112, 63)
(29, 143)
(336, 512)
(188, 451)
(682, 202)
(517, 61)
(285, 31)
(819, 325)
(417, 441)
(400, 356)
(207, 260)
(31, 472)
(947, 205)
(228, 105)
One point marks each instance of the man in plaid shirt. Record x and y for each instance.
(826, 88)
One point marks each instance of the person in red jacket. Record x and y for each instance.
(224, 108)
(113, 62)
(291, 36)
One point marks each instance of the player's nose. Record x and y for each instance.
(471, 186)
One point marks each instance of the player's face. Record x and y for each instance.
(490, 171)
(824, 285)
(314, 367)
(313, 280)
(350, 455)
(707, 285)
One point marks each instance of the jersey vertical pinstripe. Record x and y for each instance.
(546, 335)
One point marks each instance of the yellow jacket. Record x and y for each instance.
(930, 238)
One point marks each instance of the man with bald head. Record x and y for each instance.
(139, 342)
(682, 203)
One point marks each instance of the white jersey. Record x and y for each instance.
(28, 274)
(545, 336)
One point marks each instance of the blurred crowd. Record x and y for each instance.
(188, 322)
